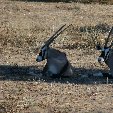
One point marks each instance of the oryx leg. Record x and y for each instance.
(44, 71)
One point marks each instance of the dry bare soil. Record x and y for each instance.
(24, 26)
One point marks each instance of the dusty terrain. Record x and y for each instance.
(23, 28)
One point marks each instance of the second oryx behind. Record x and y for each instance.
(57, 63)
(107, 54)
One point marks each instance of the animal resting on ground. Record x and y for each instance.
(57, 63)
(106, 54)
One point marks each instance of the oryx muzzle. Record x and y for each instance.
(106, 53)
(57, 63)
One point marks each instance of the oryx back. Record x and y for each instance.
(58, 63)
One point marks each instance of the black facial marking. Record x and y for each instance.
(102, 54)
(98, 47)
(105, 53)
(40, 54)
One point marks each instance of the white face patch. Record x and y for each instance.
(42, 55)
(104, 55)
(101, 57)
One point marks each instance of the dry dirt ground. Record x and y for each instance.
(23, 28)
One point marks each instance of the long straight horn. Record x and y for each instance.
(50, 40)
(107, 40)
(55, 36)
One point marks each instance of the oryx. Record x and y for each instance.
(106, 54)
(57, 63)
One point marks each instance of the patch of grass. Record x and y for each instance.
(24, 26)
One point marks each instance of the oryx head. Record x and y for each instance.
(42, 54)
(105, 49)
(44, 49)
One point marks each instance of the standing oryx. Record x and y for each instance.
(57, 63)
(107, 54)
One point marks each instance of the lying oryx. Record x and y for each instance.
(57, 63)
(107, 54)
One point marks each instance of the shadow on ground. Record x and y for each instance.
(77, 1)
(33, 73)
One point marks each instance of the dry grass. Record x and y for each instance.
(41, 97)
(23, 28)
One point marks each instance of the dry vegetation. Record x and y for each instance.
(23, 28)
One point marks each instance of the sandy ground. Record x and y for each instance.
(23, 28)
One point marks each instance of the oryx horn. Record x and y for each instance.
(107, 40)
(55, 35)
